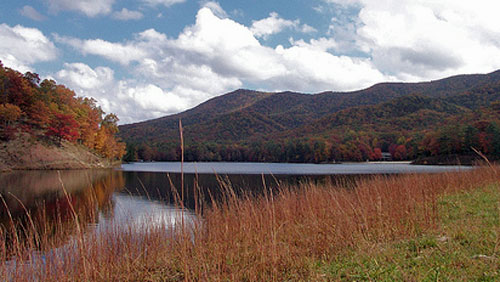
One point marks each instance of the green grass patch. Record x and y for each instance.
(465, 247)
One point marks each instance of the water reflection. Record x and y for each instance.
(143, 215)
(203, 188)
(52, 193)
(53, 205)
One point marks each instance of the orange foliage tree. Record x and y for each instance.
(9, 113)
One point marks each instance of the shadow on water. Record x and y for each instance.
(166, 187)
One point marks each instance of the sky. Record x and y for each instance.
(143, 59)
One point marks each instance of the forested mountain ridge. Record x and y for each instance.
(293, 110)
(377, 117)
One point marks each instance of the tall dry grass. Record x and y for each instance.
(276, 236)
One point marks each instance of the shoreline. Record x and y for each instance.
(26, 152)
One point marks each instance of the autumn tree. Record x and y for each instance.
(105, 142)
(9, 113)
(38, 114)
(400, 153)
(63, 127)
(377, 154)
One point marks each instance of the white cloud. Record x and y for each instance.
(31, 13)
(271, 25)
(90, 8)
(20, 47)
(150, 98)
(82, 76)
(312, 69)
(166, 3)
(215, 8)
(419, 39)
(117, 52)
(345, 2)
(305, 28)
(231, 49)
(275, 24)
(210, 36)
(321, 44)
(319, 9)
(125, 15)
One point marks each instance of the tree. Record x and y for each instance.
(9, 113)
(146, 153)
(32, 78)
(131, 154)
(377, 154)
(400, 153)
(110, 122)
(430, 144)
(493, 131)
(38, 114)
(63, 126)
(470, 138)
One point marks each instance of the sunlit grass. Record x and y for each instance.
(407, 227)
(464, 246)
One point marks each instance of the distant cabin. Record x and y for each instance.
(386, 157)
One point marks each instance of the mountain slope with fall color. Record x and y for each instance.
(247, 125)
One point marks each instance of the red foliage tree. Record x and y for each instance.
(377, 154)
(63, 127)
(400, 153)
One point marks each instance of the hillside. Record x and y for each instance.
(411, 113)
(287, 126)
(27, 152)
(43, 125)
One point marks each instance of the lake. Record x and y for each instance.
(281, 168)
(144, 194)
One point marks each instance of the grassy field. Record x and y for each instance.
(464, 246)
(413, 227)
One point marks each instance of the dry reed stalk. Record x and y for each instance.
(482, 156)
(183, 231)
(182, 159)
(28, 214)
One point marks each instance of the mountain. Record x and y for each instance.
(245, 117)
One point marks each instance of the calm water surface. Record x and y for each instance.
(280, 168)
(143, 194)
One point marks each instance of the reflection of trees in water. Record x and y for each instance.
(166, 187)
(41, 208)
